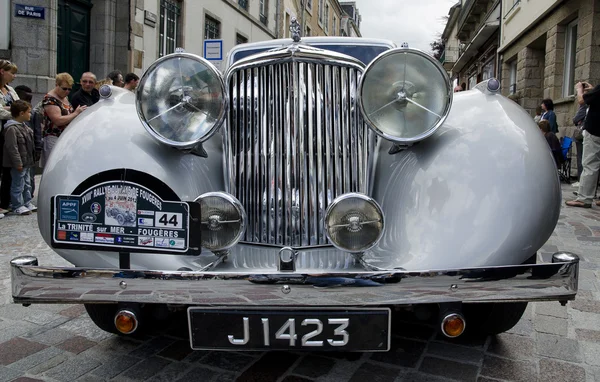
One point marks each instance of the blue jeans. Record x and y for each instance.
(20, 189)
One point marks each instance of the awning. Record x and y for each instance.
(485, 32)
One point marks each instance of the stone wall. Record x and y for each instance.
(33, 44)
(540, 74)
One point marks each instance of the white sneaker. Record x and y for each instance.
(1, 216)
(22, 211)
(31, 207)
(576, 184)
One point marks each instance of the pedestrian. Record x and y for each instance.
(548, 114)
(8, 72)
(86, 95)
(553, 142)
(458, 88)
(116, 77)
(538, 114)
(58, 113)
(463, 86)
(18, 155)
(591, 145)
(25, 94)
(131, 81)
(577, 136)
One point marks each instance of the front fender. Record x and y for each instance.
(483, 190)
(110, 136)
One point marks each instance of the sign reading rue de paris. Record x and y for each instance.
(22, 10)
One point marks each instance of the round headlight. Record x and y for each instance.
(354, 222)
(181, 100)
(405, 95)
(223, 220)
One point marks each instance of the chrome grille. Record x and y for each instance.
(295, 140)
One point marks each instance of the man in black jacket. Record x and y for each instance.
(591, 145)
(87, 95)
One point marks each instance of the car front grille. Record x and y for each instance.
(295, 140)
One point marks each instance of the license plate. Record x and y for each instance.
(319, 329)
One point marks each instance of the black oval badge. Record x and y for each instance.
(88, 217)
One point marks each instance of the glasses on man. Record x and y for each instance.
(66, 89)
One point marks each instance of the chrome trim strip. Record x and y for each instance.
(539, 282)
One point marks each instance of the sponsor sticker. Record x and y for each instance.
(74, 236)
(69, 210)
(88, 217)
(146, 241)
(145, 212)
(119, 239)
(176, 243)
(62, 235)
(96, 208)
(147, 222)
(87, 236)
(161, 242)
(104, 238)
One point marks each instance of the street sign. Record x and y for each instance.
(30, 11)
(213, 50)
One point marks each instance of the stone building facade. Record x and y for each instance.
(551, 54)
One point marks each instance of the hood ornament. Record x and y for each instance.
(295, 30)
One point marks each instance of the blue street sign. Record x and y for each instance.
(30, 11)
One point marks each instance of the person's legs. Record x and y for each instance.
(16, 189)
(5, 188)
(591, 166)
(26, 186)
(579, 148)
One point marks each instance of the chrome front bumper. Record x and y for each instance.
(540, 282)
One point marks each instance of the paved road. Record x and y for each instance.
(551, 342)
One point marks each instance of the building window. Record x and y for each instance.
(240, 39)
(570, 49)
(170, 19)
(472, 80)
(488, 70)
(243, 4)
(512, 89)
(212, 28)
(308, 31)
(334, 26)
(309, 4)
(320, 11)
(326, 18)
(263, 6)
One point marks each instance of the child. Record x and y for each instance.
(18, 155)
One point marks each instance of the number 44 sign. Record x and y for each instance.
(168, 220)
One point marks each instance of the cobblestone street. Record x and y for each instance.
(551, 342)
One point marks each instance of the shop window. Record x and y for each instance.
(570, 49)
(488, 70)
(170, 26)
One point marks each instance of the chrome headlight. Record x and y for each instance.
(181, 100)
(354, 222)
(405, 95)
(223, 220)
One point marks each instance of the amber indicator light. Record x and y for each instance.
(453, 325)
(126, 322)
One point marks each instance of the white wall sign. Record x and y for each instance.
(213, 50)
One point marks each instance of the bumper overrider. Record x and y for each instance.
(556, 281)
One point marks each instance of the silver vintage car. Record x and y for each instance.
(299, 200)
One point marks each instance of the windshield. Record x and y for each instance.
(364, 53)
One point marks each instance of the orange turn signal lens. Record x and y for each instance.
(453, 325)
(126, 322)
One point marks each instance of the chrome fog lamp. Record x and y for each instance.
(405, 95)
(181, 100)
(223, 220)
(354, 222)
